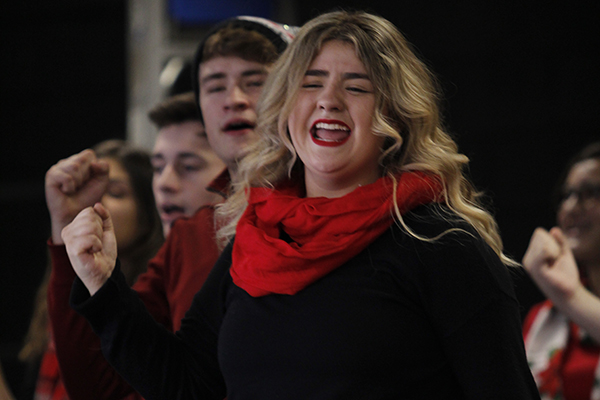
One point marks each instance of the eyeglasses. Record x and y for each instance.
(586, 194)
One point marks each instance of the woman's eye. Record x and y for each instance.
(117, 191)
(116, 195)
(357, 89)
(311, 85)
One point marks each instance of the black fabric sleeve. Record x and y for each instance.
(487, 355)
(156, 362)
(470, 298)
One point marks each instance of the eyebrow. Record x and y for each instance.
(347, 75)
(245, 74)
(213, 77)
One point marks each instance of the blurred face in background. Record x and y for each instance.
(184, 165)
(120, 201)
(579, 211)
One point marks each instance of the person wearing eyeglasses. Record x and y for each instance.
(562, 334)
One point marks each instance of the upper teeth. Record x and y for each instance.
(331, 127)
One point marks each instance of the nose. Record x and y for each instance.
(330, 99)
(168, 180)
(237, 99)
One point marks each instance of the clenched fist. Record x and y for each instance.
(550, 263)
(92, 246)
(71, 185)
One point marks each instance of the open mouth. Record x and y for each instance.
(330, 134)
(172, 209)
(238, 127)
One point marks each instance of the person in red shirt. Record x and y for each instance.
(139, 235)
(562, 334)
(231, 65)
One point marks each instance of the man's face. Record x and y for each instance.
(229, 90)
(184, 165)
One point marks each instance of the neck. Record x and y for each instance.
(316, 187)
(314, 190)
(593, 273)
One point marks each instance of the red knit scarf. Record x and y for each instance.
(324, 232)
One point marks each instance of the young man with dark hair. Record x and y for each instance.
(183, 161)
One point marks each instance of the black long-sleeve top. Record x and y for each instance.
(405, 319)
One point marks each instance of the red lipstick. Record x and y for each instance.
(329, 133)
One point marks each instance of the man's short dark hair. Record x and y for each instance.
(175, 110)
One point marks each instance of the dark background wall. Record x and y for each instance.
(62, 89)
(521, 96)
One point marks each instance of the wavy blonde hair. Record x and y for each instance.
(407, 115)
